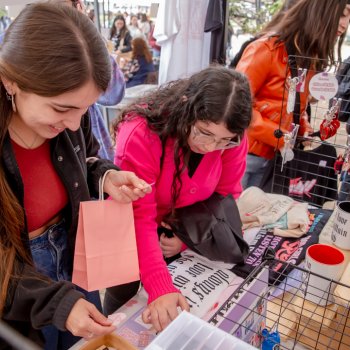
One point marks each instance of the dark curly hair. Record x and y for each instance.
(215, 94)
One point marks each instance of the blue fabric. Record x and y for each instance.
(116, 88)
(140, 76)
(50, 252)
(101, 133)
(51, 257)
(256, 167)
(112, 96)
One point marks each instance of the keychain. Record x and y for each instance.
(292, 82)
(330, 124)
(272, 340)
(301, 79)
(289, 142)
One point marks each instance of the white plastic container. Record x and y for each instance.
(188, 332)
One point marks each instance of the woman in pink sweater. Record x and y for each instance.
(188, 140)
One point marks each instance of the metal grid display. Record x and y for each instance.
(314, 174)
(300, 323)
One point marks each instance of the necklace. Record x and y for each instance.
(24, 142)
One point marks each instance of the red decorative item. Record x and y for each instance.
(330, 124)
(338, 164)
(329, 129)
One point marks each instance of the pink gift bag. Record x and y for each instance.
(105, 249)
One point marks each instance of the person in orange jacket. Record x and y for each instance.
(310, 28)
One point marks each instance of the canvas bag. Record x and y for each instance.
(105, 249)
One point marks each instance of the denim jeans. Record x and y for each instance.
(254, 173)
(51, 257)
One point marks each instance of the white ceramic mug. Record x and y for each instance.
(341, 226)
(325, 264)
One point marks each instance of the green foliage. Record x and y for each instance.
(251, 16)
(2, 12)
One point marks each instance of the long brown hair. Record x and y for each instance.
(140, 48)
(278, 17)
(310, 26)
(215, 94)
(49, 49)
(113, 30)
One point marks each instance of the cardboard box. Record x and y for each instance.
(108, 340)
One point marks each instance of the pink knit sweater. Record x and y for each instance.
(139, 150)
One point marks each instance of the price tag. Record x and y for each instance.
(323, 86)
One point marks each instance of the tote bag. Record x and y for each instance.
(105, 249)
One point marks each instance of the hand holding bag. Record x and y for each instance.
(105, 249)
(212, 228)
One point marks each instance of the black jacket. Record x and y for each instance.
(34, 301)
(213, 228)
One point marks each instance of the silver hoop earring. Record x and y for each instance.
(14, 108)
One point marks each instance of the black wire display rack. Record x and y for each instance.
(291, 321)
(315, 173)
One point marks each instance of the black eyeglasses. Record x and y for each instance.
(201, 138)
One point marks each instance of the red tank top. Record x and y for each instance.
(44, 193)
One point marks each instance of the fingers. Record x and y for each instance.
(183, 303)
(170, 246)
(125, 186)
(86, 321)
(98, 317)
(155, 320)
(173, 313)
(146, 316)
(138, 183)
(164, 317)
(130, 194)
(126, 194)
(164, 309)
(166, 246)
(95, 330)
(164, 224)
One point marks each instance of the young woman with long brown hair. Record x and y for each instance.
(309, 29)
(49, 164)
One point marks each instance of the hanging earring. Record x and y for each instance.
(14, 108)
(8, 96)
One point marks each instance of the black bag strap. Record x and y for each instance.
(294, 72)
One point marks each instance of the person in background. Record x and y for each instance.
(120, 35)
(126, 17)
(195, 129)
(152, 42)
(322, 23)
(49, 164)
(144, 25)
(141, 64)
(134, 29)
(112, 96)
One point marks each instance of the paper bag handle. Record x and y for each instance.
(101, 183)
